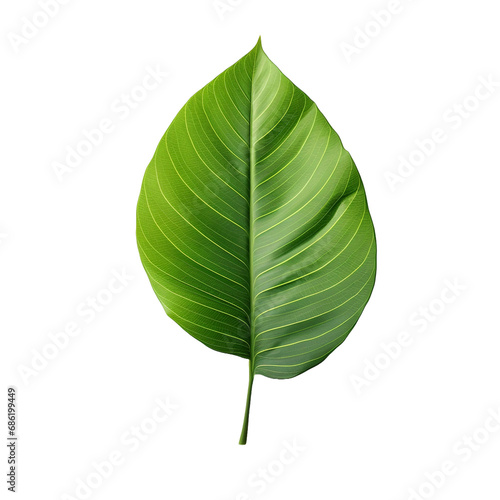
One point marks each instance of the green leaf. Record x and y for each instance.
(253, 225)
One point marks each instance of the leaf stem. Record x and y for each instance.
(251, 242)
(244, 430)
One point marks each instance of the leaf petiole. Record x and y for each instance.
(244, 430)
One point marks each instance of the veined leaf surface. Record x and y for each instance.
(253, 224)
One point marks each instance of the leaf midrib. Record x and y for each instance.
(251, 232)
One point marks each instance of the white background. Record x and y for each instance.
(61, 240)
